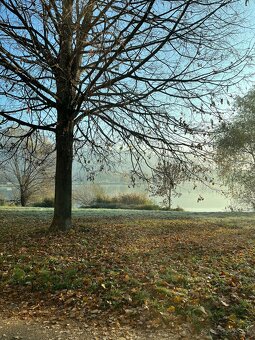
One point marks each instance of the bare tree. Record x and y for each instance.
(167, 176)
(112, 74)
(84, 195)
(29, 168)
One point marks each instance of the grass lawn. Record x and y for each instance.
(145, 268)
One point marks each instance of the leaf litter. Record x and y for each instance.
(144, 273)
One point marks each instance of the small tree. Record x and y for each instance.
(84, 194)
(29, 168)
(165, 179)
(235, 151)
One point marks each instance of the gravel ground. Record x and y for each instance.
(16, 329)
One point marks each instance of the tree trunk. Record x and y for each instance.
(169, 199)
(23, 196)
(23, 200)
(66, 93)
(62, 220)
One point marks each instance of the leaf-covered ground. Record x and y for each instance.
(150, 270)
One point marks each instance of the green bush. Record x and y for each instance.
(148, 207)
(45, 203)
(123, 206)
(173, 209)
(2, 202)
(123, 201)
(132, 199)
(178, 209)
(126, 199)
(104, 199)
(105, 205)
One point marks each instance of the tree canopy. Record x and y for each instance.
(109, 75)
(235, 151)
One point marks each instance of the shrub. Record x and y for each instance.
(103, 198)
(4, 202)
(123, 206)
(105, 205)
(132, 199)
(122, 201)
(148, 207)
(173, 209)
(45, 203)
(136, 201)
(178, 209)
(125, 199)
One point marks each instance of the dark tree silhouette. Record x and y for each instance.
(114, 74)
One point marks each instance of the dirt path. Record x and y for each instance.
(17, 329)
